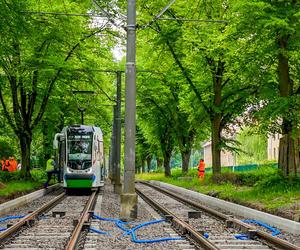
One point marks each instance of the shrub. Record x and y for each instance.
(227, 177)
(6, 176)
(278, 183)
(37, 176)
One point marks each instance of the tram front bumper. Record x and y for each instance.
(83, 180)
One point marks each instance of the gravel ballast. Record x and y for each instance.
(110, 208)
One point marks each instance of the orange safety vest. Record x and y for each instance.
(12, 165)
(201, 166)
(5, 166)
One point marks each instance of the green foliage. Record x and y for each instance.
(12, 188)
(5, 149)
(266, 187)
(43, 58)
(6, 176)
(253, 147)
(38, 176)
(278, 183)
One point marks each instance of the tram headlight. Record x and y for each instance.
(89, 170)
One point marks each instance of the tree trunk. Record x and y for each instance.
(25, 143)
(47, 147)
(149, 159)
(216, 118)
(215, 144)
(185, 157)
(159, 162)
(288, 161)
(137, 169)
(143, 166)
(289, 155)
(167, 159)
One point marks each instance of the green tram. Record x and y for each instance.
(80, 156)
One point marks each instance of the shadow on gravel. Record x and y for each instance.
(78, 191)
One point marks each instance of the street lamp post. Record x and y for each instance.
(129, 197)
(81, 110)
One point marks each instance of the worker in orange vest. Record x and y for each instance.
(6, 165)
(3, 161)
(12, 164)
(201, 169)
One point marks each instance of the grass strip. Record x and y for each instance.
(18, 186)
(266, 190)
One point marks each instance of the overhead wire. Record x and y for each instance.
(192, 20)
(109, 16)
(158, 15)
(61, 13)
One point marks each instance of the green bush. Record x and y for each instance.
(36, 174)
(6, 176)
(278, 183)
(158, 170)
(226, 177)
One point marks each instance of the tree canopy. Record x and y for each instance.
(204, 69)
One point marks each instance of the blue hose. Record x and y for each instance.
(144, 224)
(135, 240)
(274, 231)
(104, 219)
(12, 217)
(120, 224)
(99, 231)
(242, 236)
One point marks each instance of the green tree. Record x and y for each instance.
(267, 35)
(34, 52)
(203, 54)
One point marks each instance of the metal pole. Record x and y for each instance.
(81, 110)
(113, 148)
(129, 197)
(117, 167)
(110, 174)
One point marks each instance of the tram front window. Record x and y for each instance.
(79, 152)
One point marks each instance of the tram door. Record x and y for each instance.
(61, 158)
(101, 156)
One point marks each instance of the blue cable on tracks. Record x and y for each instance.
(274, 230)
(10, 217)
(120, 224)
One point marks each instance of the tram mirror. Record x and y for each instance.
(57, 137)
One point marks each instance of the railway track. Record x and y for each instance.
(58, 224)
(220, 228)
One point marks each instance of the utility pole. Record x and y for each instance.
(81, 110)
(118, 134)
(113, 148)
(129, 197)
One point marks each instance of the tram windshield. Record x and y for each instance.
(79, 151)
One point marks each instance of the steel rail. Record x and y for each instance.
(72, 244)
(250, 230)
(189, 202)
(27, 219)
(181, 226)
